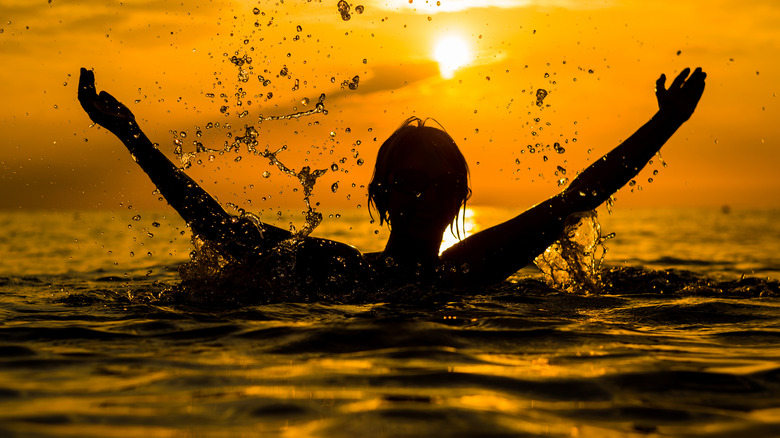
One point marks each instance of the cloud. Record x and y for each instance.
(29, 26)
(431, 7)
(389, 78)
(393, 77)
(382, 78)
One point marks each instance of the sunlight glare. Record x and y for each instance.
(451, 53)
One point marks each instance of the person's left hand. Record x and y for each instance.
(103, 108)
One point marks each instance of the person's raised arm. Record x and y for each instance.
(496, 253)
(201, 212)
(615, 169)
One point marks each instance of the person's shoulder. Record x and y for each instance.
(373, 257)
(317, 248)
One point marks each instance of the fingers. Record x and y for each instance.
(680, 79)
(86, 81)
(695, 84)
(697, 78)
(660, 84)
(698, 75)
(86, 92)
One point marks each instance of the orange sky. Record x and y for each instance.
(601, 59)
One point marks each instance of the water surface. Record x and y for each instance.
(679, 343)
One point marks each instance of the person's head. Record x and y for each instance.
(420, 179)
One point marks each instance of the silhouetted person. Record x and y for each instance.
(420, 182)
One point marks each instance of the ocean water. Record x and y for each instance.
(681, 340)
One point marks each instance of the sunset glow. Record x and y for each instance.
(474, 66)
(451, 53)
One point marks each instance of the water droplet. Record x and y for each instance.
(540, 95)
(359, 9)
(256, 11)
(360, 162)
(345, 14)
(299, 28)
(334, 187)
(354, 84)
(137, 217)
(156, 224)
(266, 174)
(334, 167)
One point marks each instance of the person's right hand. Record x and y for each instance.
(103, 108)
(682, 96)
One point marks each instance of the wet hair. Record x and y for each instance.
(413, 133)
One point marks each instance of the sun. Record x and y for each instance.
(451, 52)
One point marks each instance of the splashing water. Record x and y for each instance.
(540, 95)
(573, 262)
(256, 82)
(318, 108)
(344, 10)
(351, 84)
(306, 177)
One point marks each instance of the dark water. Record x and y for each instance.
(94, 351)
